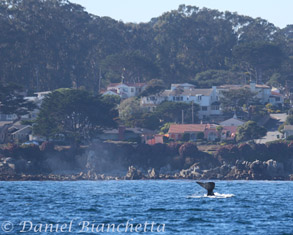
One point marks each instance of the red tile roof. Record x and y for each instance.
(181, 128)
(276, 93)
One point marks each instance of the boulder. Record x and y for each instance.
(133, 174)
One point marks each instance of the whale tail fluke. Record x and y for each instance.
(209, 186)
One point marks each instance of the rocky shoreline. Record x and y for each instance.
(104, 161)
(257, 170)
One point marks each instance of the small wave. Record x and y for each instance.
(217, 195)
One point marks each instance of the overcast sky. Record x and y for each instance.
(278, 12)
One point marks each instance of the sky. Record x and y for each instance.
(278, 12)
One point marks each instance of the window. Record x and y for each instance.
(199, 98)
(204, 108)
(278, 99)
(132, 89)
(215, 107)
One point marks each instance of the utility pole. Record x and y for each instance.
(192, 113)
(100, 77)
(37, 76)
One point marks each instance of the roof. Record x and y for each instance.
(127, 84)
(3, 123)
(188, 92)
(22, 129)
(135, 130)
(288, 128)
(181, 128)
(233, 119)
(183, 85)
(262, 86)
(273, 93)
(230, 86)
(43, 92)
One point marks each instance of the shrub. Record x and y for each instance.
(159, 155)
(173, 148)
(177, 163)
(200, 135)
(47, 146)
(186, 137)
(228, 154)
(188, 150)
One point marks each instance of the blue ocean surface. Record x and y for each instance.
(146, 207)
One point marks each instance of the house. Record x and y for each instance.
(264, 93)
(176, 131)
(125, 90)
(276, 98)
(288, 131)
(210, 131)
(234, 121)
(7, 117)
(123, 133)
(22, 134)
(207, 99)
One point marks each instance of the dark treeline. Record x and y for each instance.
(49, 44)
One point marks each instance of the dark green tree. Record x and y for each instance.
(12, 101)
(250, 130)
(261, 56)
(234, 99)
(172, 111)
(75, 115)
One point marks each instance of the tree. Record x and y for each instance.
(250, 130)
(211, 78)
(260, 55)
(132, 115)
(75, 115)
(153, 87)
(188, 150)
(234, 99)
(172, 111)
(130, 111)
(289, 120)
(12, 101)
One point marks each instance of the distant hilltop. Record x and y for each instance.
(47, 44)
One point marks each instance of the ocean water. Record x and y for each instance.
(146, 207)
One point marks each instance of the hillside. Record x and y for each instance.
(46, 45)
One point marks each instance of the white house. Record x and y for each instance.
(207, 99)
(125, 90)
(263, 92)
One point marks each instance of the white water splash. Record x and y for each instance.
(217, 195)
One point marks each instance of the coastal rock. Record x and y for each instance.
(133, 174)
(152, 174)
